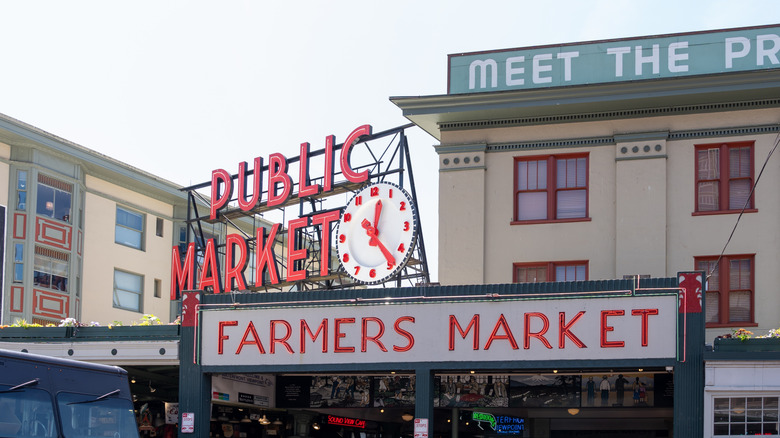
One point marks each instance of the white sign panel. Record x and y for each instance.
(420, 428)
(248, 389)
(171, 413)
(188, 422)
(640, 327)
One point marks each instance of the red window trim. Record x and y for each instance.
(723, 190)
(713, 213)
(550, 268)
(723, 304)
(553, 221)
(551, 189)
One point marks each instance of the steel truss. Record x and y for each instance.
(386, 157)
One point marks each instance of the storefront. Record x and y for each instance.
(554, 360)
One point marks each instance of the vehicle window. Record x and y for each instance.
(86, 416)
(26, 412)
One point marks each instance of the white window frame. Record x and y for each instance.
(709, 407)
(140, 292)
(118, 227)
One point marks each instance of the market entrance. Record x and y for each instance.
(327, 405)
(623, 403)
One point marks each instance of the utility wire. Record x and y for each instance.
(744, 207)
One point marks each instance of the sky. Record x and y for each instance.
(179, 88)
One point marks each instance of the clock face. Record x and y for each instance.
(377, 232)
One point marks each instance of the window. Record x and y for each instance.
(157, 288)
(159, 228)
(551, 188)
(729, 298)
(745, 416)
(724, 177)
(51, 269)
(129, 228)
(550, 271)
(18, 262)
(21, 190)
(53, 198)
(128, 290)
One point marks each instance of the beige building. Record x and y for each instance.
(86, 236)
(643, 175)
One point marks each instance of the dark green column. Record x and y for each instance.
(194, 386)
(689, 368)
(423, 406)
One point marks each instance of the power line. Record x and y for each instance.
(744, 207)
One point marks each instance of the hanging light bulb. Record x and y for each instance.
(265, 420)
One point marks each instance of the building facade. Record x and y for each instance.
(651, 165)
(86, 237)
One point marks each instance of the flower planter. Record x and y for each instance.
(11, 333)
(748, 345)
(150, 332)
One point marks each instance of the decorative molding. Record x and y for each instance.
(17, 299)
(553, 144)
(53, 233)
(640, 146)
(20, 226)
(606, 115)
(459, 148)
(639, 137)
(50, 304)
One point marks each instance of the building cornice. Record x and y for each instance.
(647, 98)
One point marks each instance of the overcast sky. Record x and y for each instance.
(179, 88)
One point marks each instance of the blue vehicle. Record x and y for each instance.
(42, 396)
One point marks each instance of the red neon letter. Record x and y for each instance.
(346, 170)
(283, 340)
(219, 178)
(264, 255)
(304, 186)
(608, 328)
(327, 183)
(208, 273)
(322, 329)
(184, 273)
(502, 324)
(294, 255)
(538, 335)
(221, 336)
(565, 330)
(277, 174)
(474, 324)
(235, 263)
(337, 335)
(404, 333)
(375, 339)
(324, 220)
(257, 188)
(250, 330)
(644, 313)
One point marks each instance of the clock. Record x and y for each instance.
(377, 232)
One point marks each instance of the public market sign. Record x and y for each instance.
(664, 56)
(279, 179)
(641, 327)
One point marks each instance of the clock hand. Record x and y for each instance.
(377, 212)
(388, 256)
(374, 241)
